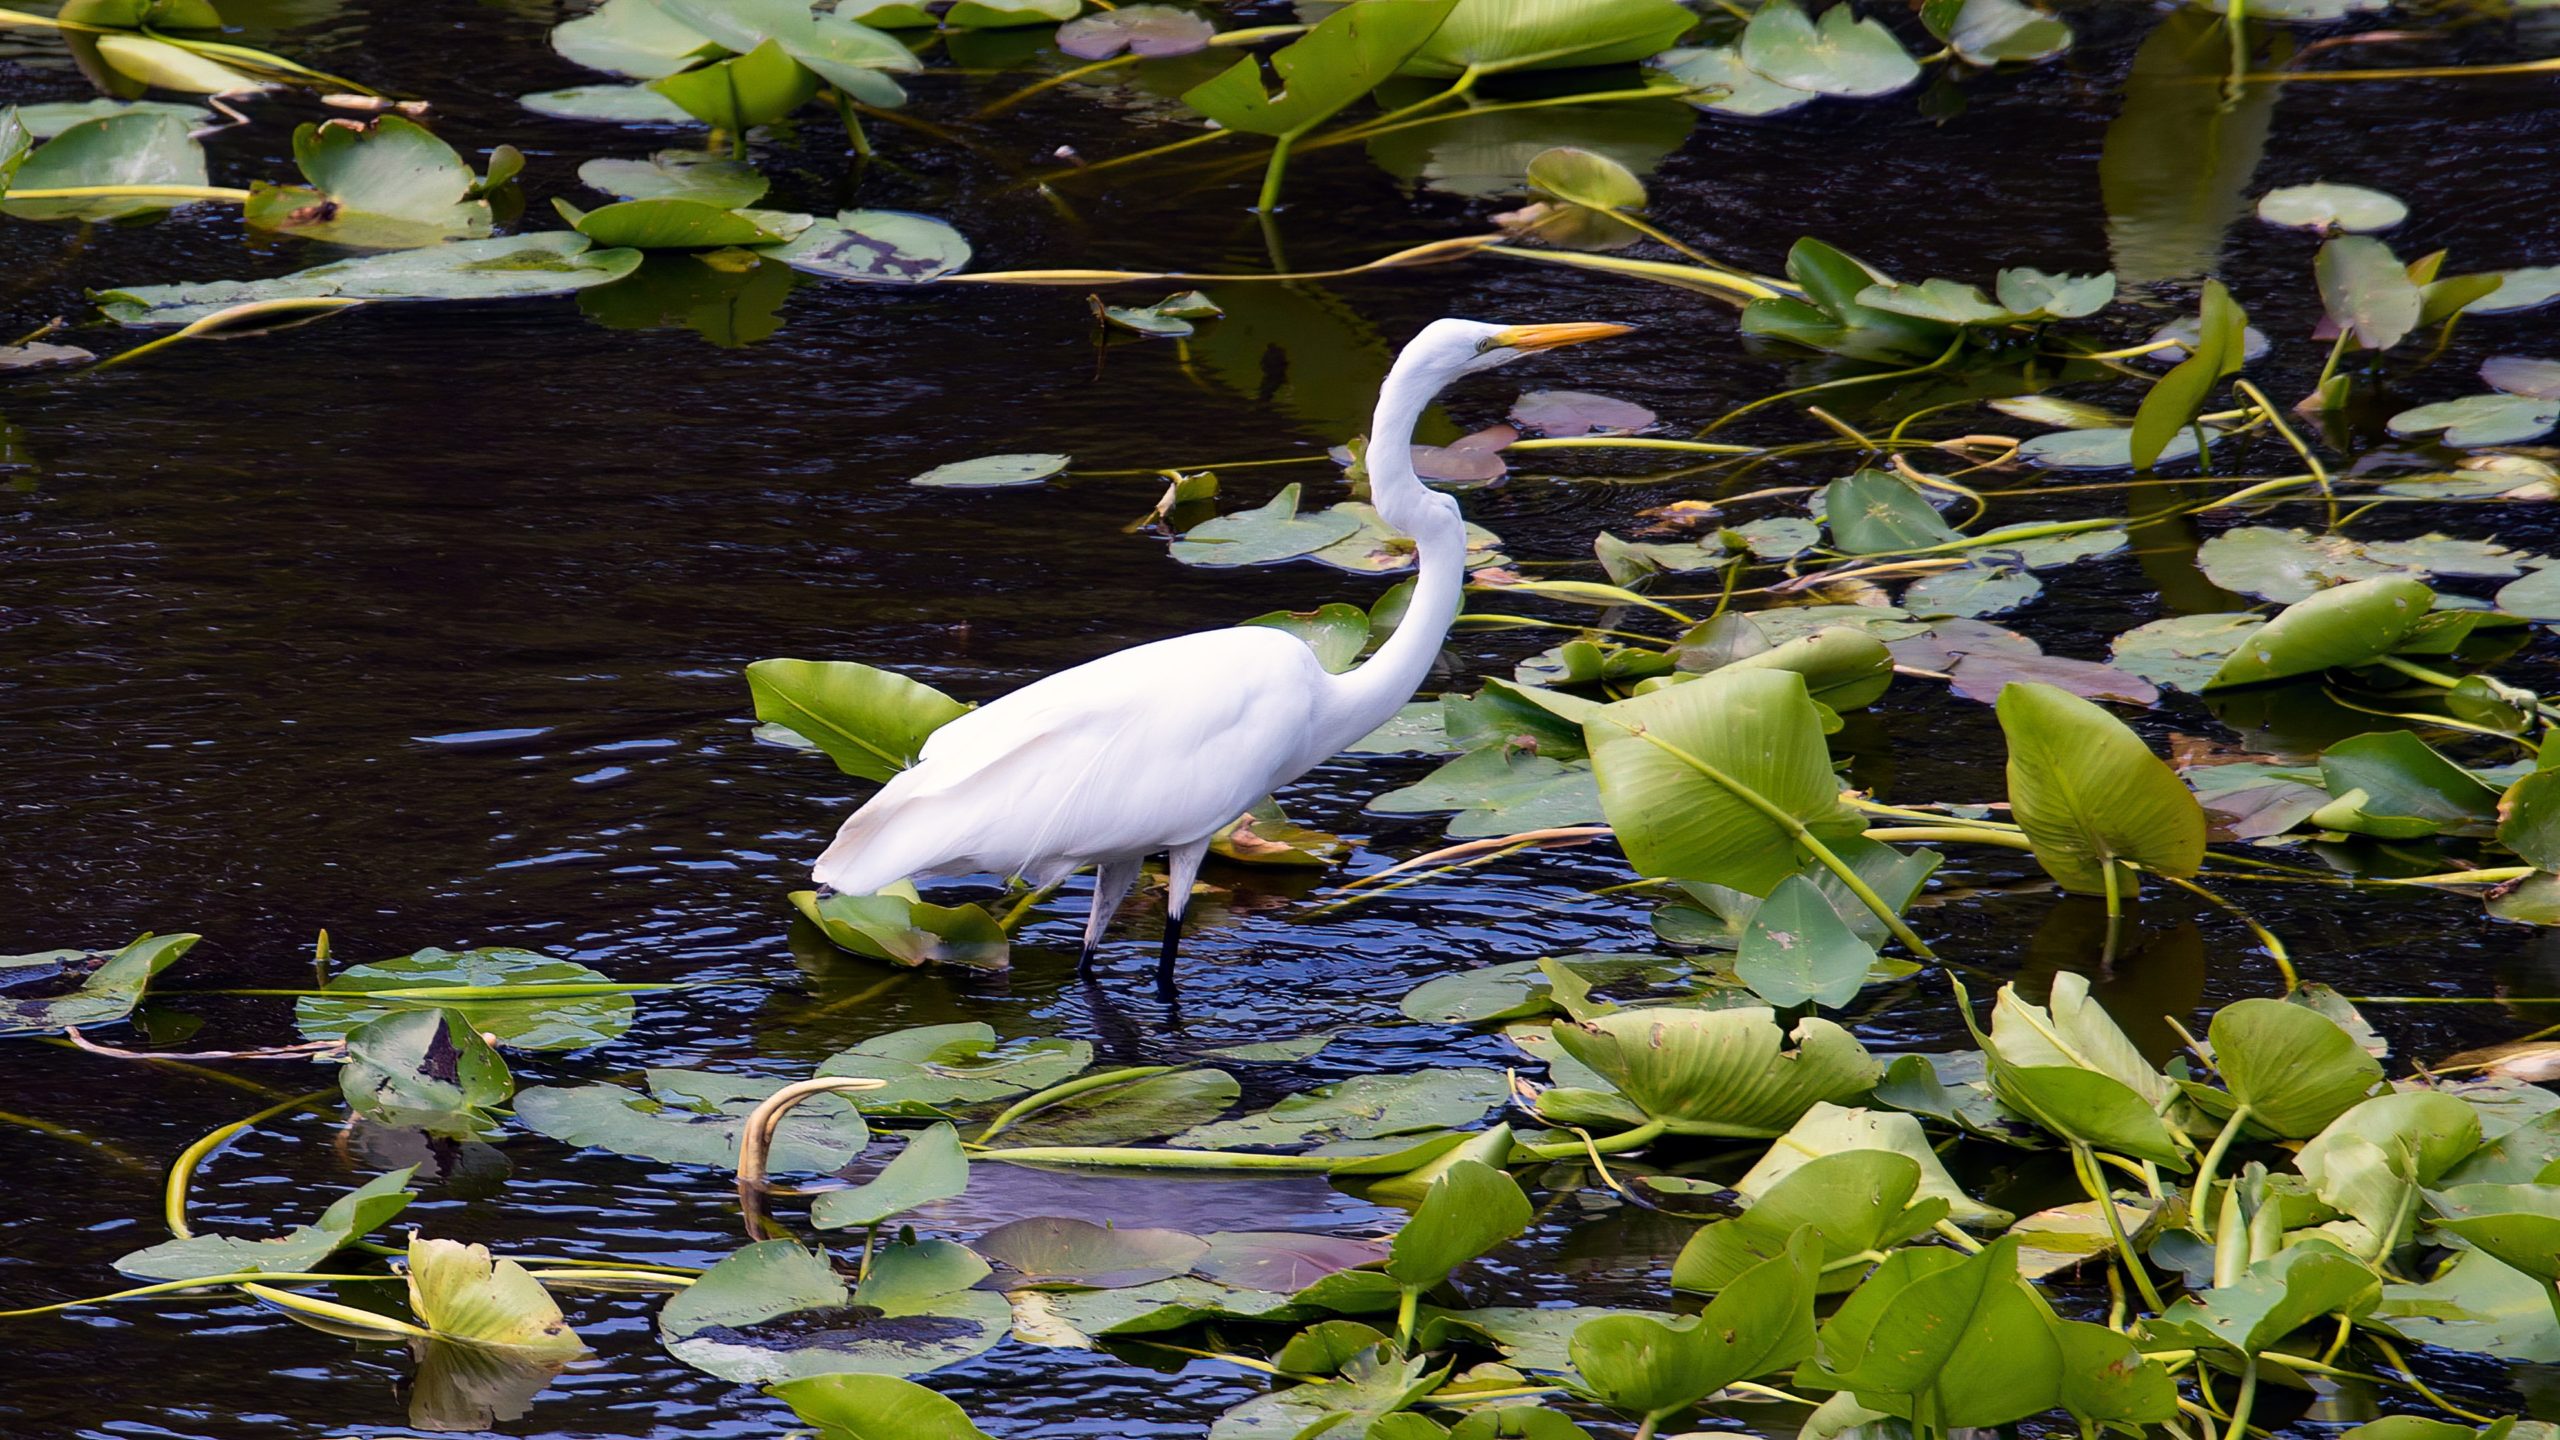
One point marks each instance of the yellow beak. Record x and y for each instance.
(1548, 337)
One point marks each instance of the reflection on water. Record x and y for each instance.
(239, 583)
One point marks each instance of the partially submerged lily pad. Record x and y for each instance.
(549, 262)
(694, 1117)
(55, 989)
(548, 1014)
(989, 472)
(775, 1311)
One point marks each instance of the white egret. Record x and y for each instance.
(1159, 748)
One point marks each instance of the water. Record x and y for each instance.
(423, 625)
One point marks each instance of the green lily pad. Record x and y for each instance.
(1719, 79)
(775, 1312)
(1798, 950)
(1142, 1109)
(104, 987)
(1852, 1201)
(837, 48)
(2479, 1304)
(2104, 448)
(350, 1217)
(506, 267)
(2341, 627)
(2476, 420)
(2517, 1224)
(1994, 32)
(631, 37)
(608, 104)
(1345, 56)
(1762, 1321)
(2183, 651)
(1971, 591)
(1829, 1129)
(1360, 1108)
(1732, 1072)
(2090, 793)
(677, 175)
(670, 224)
(888, 247)
(2525, 289)
(746, 90)
(2327, 205)
(1913, 1334)
(550, 1015)
(875, 1407)
(896, 926)
(694, 1117)
(51, 119)
(932, 1068)
(389, 185)
(2071, 1029)
(2278, 1296)
(1872, 512)
(932, 1167)
(2293, 1067)
(1839, 55)
(994, 471)
(424, 1069)
(1271, 532)
(131, 148)
(467, 1296)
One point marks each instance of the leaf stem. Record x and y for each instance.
(182, 1171)
(2085, 1164)
(1067, 1090)
(2200, 1202)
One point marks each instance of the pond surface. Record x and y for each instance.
(423, 626)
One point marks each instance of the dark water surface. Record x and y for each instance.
(423, 625)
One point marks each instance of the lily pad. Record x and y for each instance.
(932, 1167)
(50, 119)
(1142, 1109)
(2477, 420)
(889, 247)
(103, 987)
(388, 185)
(694, 1117)
(1059, 1252)
(2344, 626)
(875, 1407)
(127, 149)
(424, 1069)
(1732, 1072)
(1149, 30)
(1576, 412)
(506, 267)
(775, 1311)
(351, 1216)
(608, 104)
(872, 722)
(1839, 55)
(676, 224)
(677, 175)
(932, 1068)
(1720, 80)
(2328, 205)
(994, 471)
(1271, 532)
(1360, 1108)
(469, 1297)
(2105, 448)
(2183, 651)
(548, 1015)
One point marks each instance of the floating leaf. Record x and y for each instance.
(1576, 412)
(1853, 1201)
(1798, 950)
(884, 246)
(549, 1015)
(427, 1069)
(1490, 37)
(1971, 590)
(1056, 1251)
(631, 37)
(136, 148)
(1005, 14)
(609, 104)
(2098, 449)
(1839, 55)
(671, 224)
(1360, 1108)
(991, 471)
(1992, 32)
(2293, 1067)
(875, 1407)
(1721, 1072)
(932, 1068)
(677, 175)
(774, 1311)
(104, 987)
(694, 1117)
(2276, 1297)
(351, 1216)
(464, 1295)
(1149, 30)
(2328, 205)
(388, 185)
(1873, 511)
(2476, 420)
(1142, 1109)
(932, 1167)
(547, 263)
(1829, 1129)
(1920, 1332)
(1272, 532)
(1719, 79)
(47, 120)
(1499, 790)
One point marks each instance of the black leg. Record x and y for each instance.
(1084, 961)
(1172, 947)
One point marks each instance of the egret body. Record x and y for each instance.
(1159, 748)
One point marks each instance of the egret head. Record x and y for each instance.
(1447, 349)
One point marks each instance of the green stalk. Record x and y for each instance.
(182, 1172)
(1066, 1090)
(209, 1282)
(2248, 1377)
(1797, 832)
(2201, 1192)
(340, 1314)
(1276, 169)
(1408, 1301)
(2085, 1165)
(1635, 1139)
(1130, 1157)
(1950, 834)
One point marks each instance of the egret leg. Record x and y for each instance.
(1110, 886)
(1182, 866)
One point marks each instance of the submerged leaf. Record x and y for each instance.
(546, 263)
(694, 1117)
(104, 987)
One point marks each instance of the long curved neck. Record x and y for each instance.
(1363, 699)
